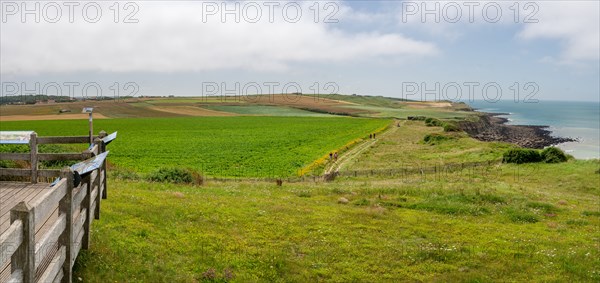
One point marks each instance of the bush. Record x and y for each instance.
(175, 175)
(433, 122)
(521, 155)
(450, 127)
(436, 138)
(553, 155)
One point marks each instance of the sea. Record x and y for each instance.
(575, 119)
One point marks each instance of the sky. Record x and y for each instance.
(423, 50)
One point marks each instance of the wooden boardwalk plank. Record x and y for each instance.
(20, 192)
(26, 193)
(11, 194)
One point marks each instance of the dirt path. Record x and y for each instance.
(357, 150)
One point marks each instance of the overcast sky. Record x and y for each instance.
(547, 50)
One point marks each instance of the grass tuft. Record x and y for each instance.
(521, 215)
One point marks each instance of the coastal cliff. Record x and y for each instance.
(489, 127)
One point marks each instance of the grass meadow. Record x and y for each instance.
(395, 230)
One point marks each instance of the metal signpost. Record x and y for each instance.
(90, 110)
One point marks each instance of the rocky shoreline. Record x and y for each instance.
(490, 127)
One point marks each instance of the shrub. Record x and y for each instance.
(436, 138)
(433, 122)
(521, 155)
(553, 155)
(450, 127)
(175, 175)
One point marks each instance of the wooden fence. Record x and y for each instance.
(65, 212)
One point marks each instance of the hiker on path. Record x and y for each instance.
(330, 156)
(335, 155)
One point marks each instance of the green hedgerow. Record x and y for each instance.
(553, 155)
(521, 155)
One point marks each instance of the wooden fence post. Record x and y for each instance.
(103, 189)
(66, 239)
(100, 187)
(91, 123)
(24, 256)
(34, 158)
(87, 203)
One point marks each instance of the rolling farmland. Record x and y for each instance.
(218, 146)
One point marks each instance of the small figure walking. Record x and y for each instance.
(335, 155)
(330, 156)
(370, 136)
(373, 136)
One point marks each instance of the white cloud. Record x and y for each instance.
(172, 37)
(456, 19)
(575, 23)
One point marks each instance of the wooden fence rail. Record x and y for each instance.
(65, 210)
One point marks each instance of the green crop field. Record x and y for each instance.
(217, 146)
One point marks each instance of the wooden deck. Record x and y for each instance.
(11, 194)
(43, 226)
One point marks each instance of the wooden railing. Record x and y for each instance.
(34, 156)
(65, 213)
